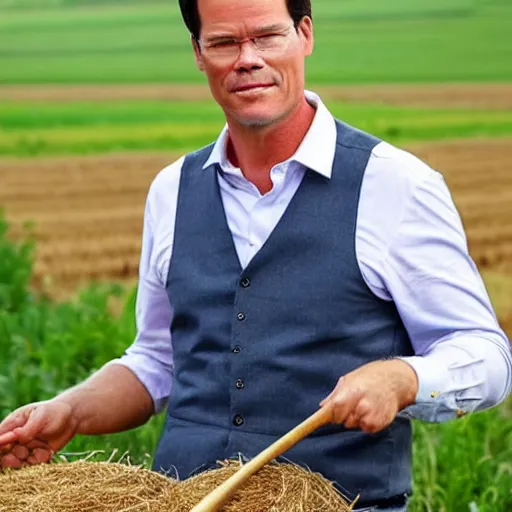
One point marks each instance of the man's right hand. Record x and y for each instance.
(112, 400)
(34, 432)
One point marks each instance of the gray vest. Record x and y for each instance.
(256, 350)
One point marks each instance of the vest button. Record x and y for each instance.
(240, 384)
(241, 316)
(236, 350)
(245, 282)
(238, 420)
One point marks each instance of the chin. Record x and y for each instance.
(258, 119)
(254, 122)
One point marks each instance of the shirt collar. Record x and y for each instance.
(316, 151)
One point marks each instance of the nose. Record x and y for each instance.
(249, 58)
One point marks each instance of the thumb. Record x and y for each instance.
(333, 392)
(7, 438)
(343, 401)
(31, 428)
(14, 421)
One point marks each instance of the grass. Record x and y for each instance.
(464, 462)
(37, 129)
(357, 41)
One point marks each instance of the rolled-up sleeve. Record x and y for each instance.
(150, 357)
(462, 357)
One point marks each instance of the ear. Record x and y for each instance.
(197, 54)
(305, 31)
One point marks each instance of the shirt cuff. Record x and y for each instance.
(434, 403)
(432, 377)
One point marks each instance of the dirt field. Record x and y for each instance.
(488, 96)
(87, 214)
(88, 210)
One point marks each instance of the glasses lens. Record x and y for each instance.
(231, 48)
(271, 42)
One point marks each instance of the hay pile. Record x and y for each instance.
(275, 488)
(82, 487)
(111, 487)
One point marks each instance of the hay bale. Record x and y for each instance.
(275, 488)
(111, 487)
(82, 487)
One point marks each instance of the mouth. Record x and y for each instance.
(252, 88)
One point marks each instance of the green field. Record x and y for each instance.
(36, 129)
(48, 346)
(357, 41)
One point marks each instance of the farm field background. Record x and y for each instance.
(97, 97)
(357, 41)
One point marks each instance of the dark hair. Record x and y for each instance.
(190, 12)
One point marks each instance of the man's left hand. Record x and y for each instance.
(370, 397)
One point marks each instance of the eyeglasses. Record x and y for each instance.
(229, 48)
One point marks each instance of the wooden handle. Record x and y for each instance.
(218, 497)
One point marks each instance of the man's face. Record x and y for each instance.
(255, 84)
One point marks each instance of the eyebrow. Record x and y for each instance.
(262, 30)
(270, 28)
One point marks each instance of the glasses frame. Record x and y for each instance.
(209, 48)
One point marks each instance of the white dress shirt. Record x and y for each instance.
(411, 248)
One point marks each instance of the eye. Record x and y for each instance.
(268, 41)
(269, 37)
(223, 44)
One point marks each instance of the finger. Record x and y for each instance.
(20, 452)
(326, 399)
(6, 448)
(36, 443)
(40, 456)
(29, 431)
(344, 402)
(333, 392)
(375, 421)
(10, 461)
(14, 420)
(352, 420)
(377, 417)
(7, 438)
(362, 409)
(369, 425)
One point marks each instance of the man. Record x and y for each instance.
(297, 261)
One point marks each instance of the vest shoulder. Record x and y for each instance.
(348, 136)
(198, 158)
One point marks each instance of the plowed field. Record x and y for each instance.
(464, 95)
(87, 211)
(86, 214)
